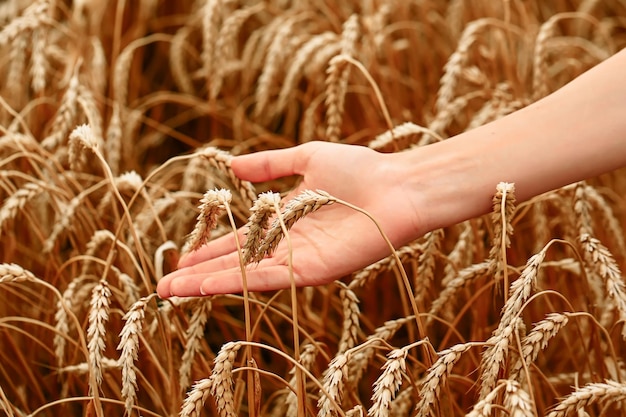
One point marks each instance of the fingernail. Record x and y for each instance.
(202, 291)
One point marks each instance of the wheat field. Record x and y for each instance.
(118, 121)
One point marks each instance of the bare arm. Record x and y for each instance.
(577, 132)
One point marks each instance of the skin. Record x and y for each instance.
(575, 133)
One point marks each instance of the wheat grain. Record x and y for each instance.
(96, 330)
(211, 19)
(461, 255)
(388, 383)
(63, 305)
(337, 76)
(193, 338)
(64, 215)
(212, 205)
(608, 217)
(15, 76)
(89, 107)
(114, 139)
(495, 355)
(454, 67)
(226, 44)
(178, 59)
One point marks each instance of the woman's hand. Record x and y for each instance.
(327, 244)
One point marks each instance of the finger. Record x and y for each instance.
(268, 278)
(269, 165)
(225, 262)
(213, 249)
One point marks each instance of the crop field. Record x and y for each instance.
(118, 122)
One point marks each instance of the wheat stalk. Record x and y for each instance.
(66, 115)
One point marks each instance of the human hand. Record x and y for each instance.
(327, 244)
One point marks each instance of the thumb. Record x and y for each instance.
(269, 165)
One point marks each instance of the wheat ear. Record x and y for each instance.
(351, 312)
(305, 203)
(193, 338)
(496, 354)
(334, 377)
(598, 257)
(222, 381)
(388, 383)
(437, 375)
(212, 205)
(98, 318)
(537, 340)
(261, 212)
(608, 391)
(129, 345)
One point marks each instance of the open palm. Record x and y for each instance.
(327, 244)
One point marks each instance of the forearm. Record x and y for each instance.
(576, 133)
